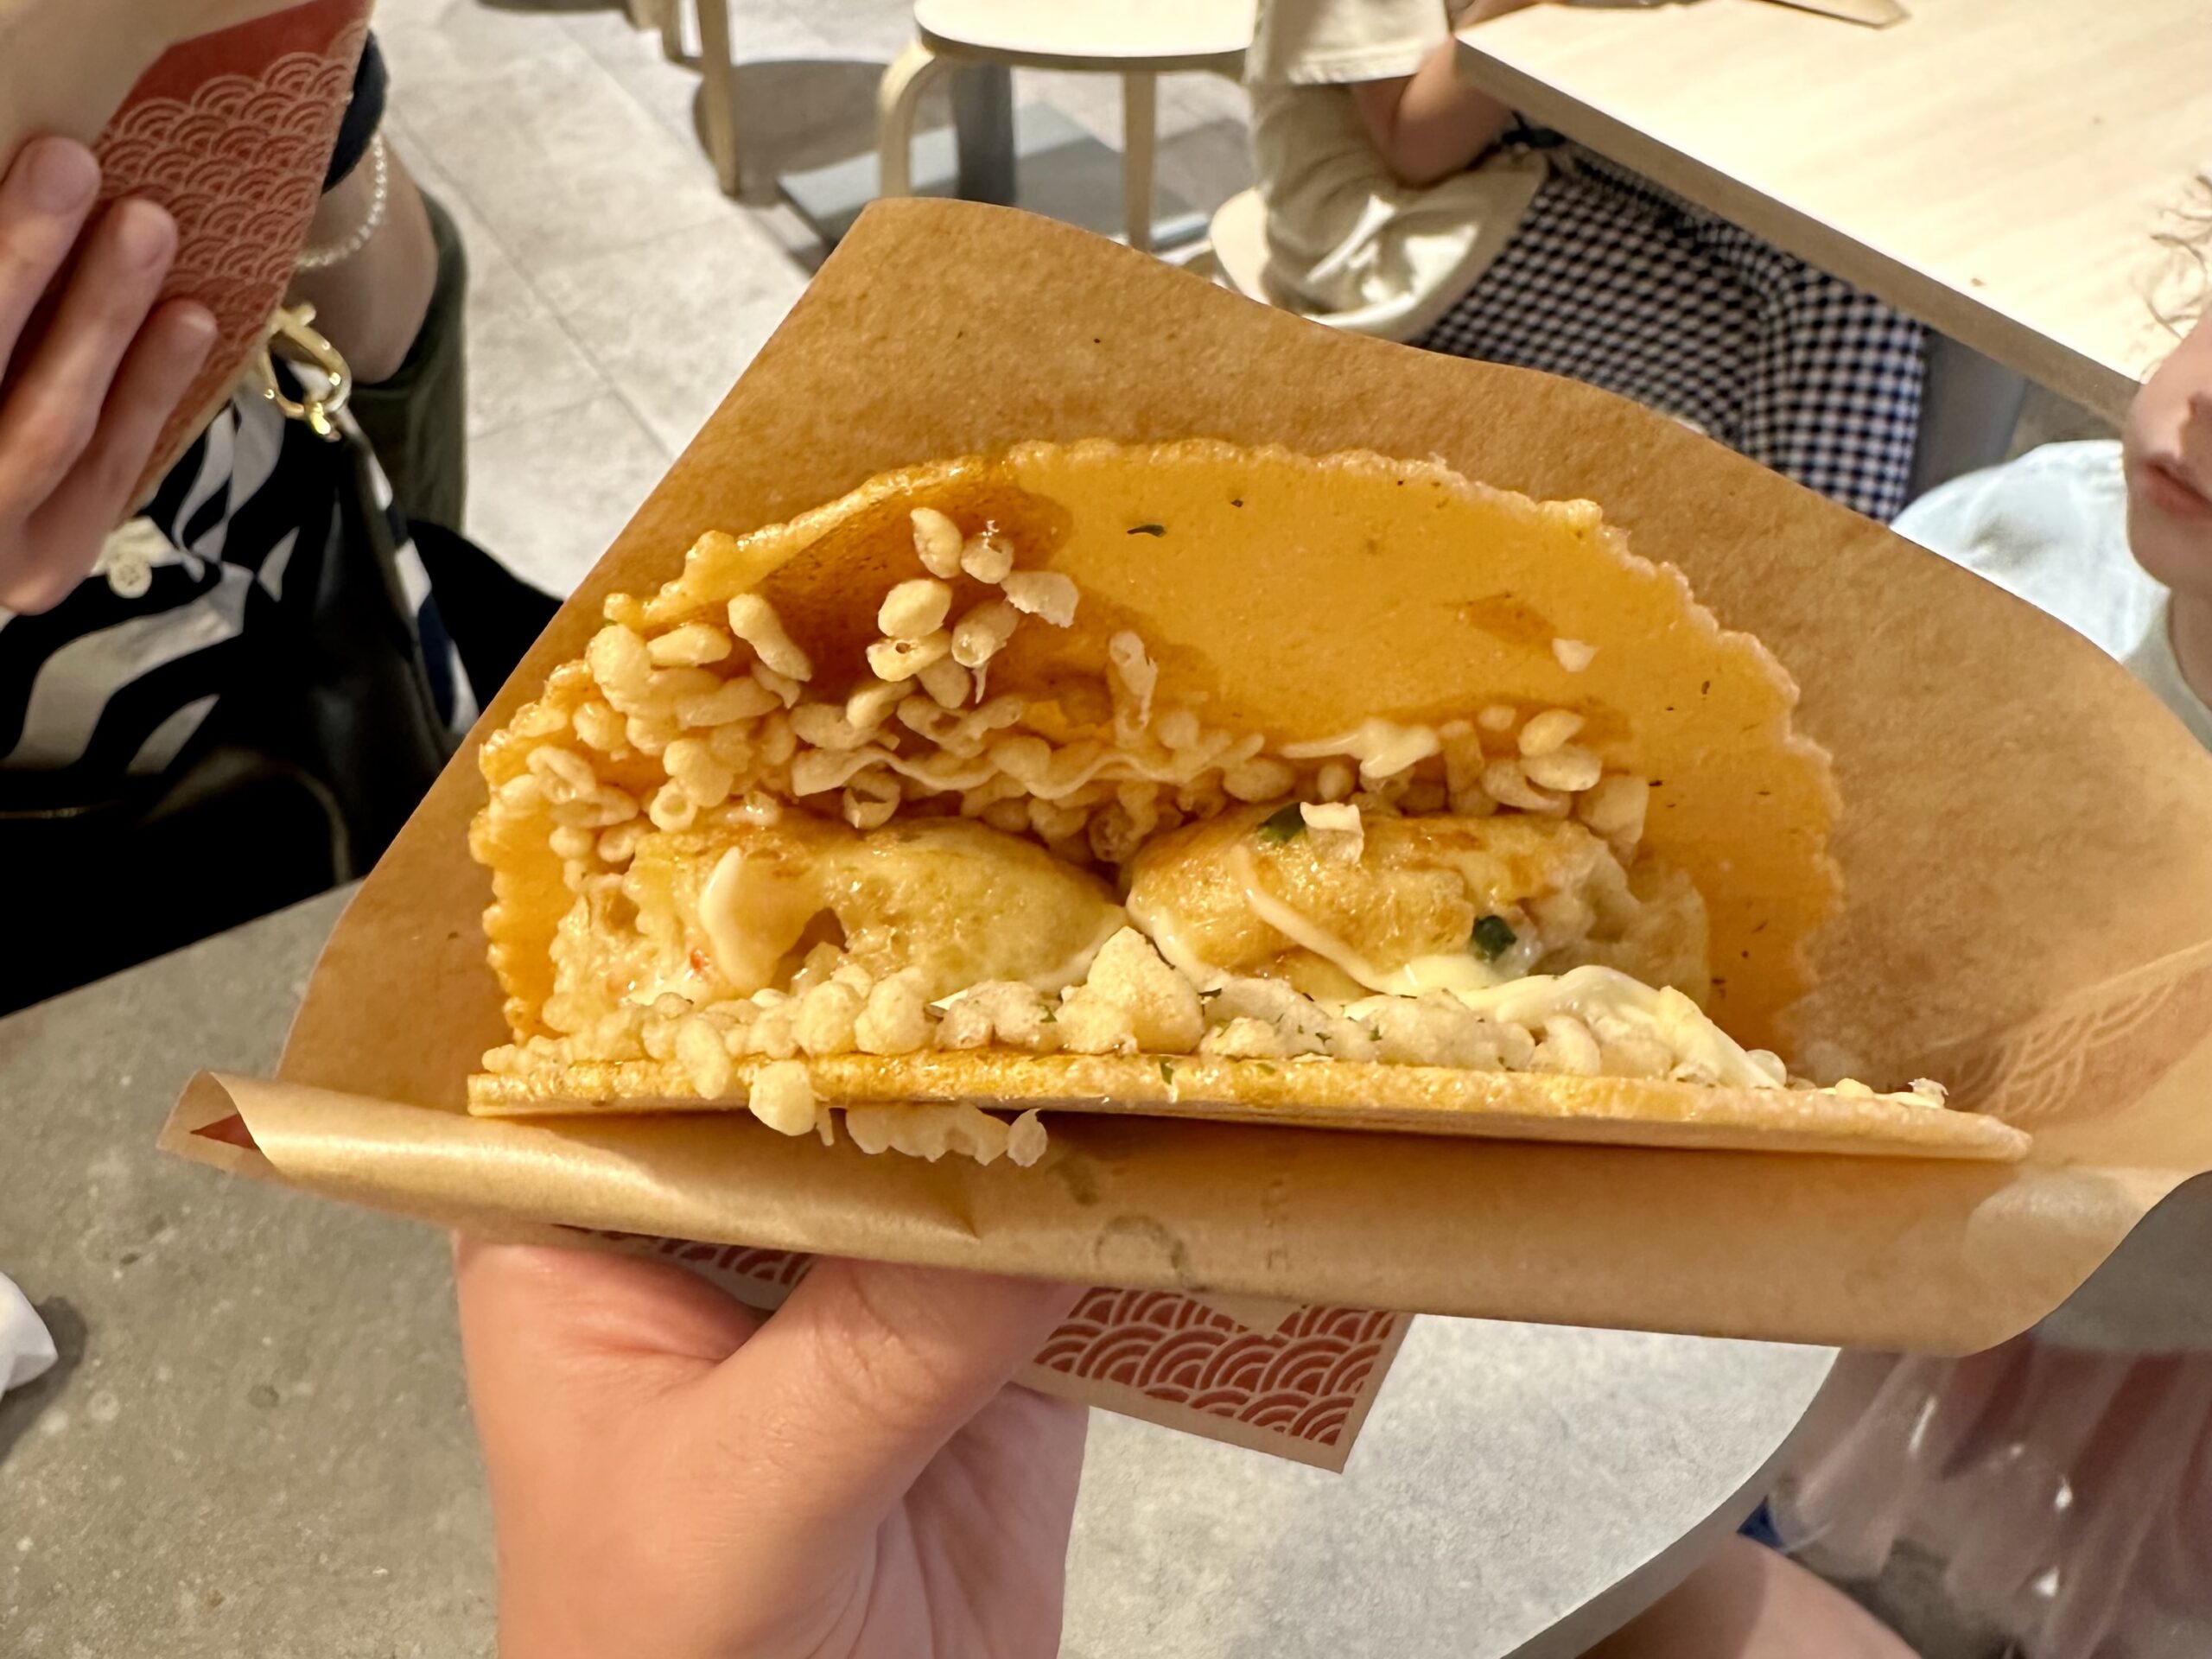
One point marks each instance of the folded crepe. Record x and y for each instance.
(1184, 780)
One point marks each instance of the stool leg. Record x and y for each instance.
(1968, 405)
(1138, 129)
(982, 133)
(667, 15)
(898, 96)
(717, 92)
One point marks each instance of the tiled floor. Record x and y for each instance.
(617, 293)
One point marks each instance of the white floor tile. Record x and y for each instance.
(427, 41)
(547, 495)
(521, 360)
(672, 323)
(873, 29)
(558, 160)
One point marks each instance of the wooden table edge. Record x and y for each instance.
(1928, 299)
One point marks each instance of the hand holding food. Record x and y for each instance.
(673, 1474)
(83, 406)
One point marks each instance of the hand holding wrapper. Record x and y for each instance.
(849, 1478)
(1988, 759)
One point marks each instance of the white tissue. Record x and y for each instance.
(26, 1350)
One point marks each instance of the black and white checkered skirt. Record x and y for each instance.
(1612, 281)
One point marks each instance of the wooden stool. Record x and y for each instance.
(717, 70)
(1138, 40)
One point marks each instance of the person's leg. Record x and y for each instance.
(1748, 1602)
(417, 424)
(416, 420)
(1832, 398)
(1615, 282)
(1606, 282)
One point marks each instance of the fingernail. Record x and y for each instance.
(199, 330)
(63, 176)
(145, 233)
(196, 327)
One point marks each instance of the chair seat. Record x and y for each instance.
(1131, 36)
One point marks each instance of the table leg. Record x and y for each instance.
(1968, 406)
(1138, 128)
(718, 93)
(660, 17)
(983, 128)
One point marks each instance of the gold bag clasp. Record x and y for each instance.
(293, 326)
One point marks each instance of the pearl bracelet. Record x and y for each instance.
(380, 201)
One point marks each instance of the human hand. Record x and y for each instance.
(676, 1475)
(81, 410)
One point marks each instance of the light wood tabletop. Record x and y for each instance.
(2002, 169)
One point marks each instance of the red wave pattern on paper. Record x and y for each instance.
(1303, 1379)
(779, 1267)
(232, 134)
(2093, 1056)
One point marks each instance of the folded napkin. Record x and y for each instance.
(26, 1350)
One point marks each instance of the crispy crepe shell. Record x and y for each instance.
(1298, 596)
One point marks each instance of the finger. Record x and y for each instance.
(98, 495)
(826, 1417)
(44, 201)
(53, 410)
(593, 1322)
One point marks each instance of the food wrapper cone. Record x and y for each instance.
(2029, 909)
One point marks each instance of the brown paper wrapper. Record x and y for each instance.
(1295, 1382)
(2030, 887)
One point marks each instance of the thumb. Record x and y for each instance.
(858, 1381)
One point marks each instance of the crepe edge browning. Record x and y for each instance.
(1336, 1093)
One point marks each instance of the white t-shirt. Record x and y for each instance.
(2051, 528)
(1348, 243)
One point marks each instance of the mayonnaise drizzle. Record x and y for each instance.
(1606, 995)
(1602, 996)
(718, 914)
(1160, 926)
(1459, 971)
(1382, 747)
(753, 911)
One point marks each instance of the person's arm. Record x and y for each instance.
(83, 409)
(849, 1478)
(1747, 1602)
(371, 305)
(1430, 124)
